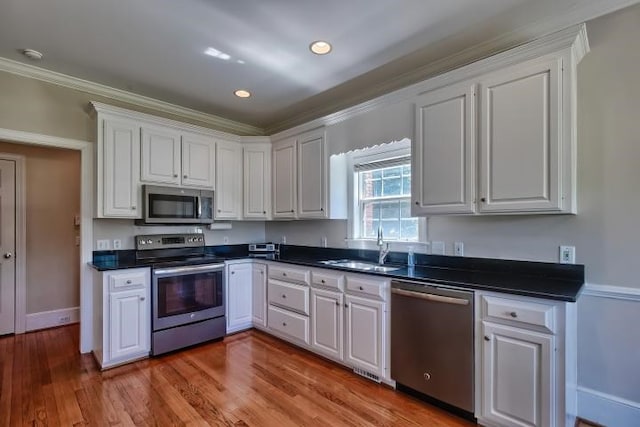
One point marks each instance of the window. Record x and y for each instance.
(382, 194)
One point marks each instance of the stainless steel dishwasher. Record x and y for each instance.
(432, 342)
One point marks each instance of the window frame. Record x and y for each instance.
(379, 153)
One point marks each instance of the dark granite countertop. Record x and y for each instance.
(562, 282)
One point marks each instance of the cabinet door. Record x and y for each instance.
(239, 296)
(312, 175)
(129, 324)
(327, 322)
(443, 172)
(122, 195)
(257, 182)
(284, 179)
(516, 383)
(198, 161)
(520, 165)
(228, 192)
(160, 155)
(259, 295)
(364, 341)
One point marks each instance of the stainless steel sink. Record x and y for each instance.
(359, 265)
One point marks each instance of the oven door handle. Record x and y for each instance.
(189, 269)
(199, 206)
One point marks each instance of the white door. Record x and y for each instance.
(444, 152)
(198, 161)
(259, 295)
(284, 179)
(160, 156)
(364, 334)
(327, 322)
(516, 383)
(257, 182)
(129, 323)
(239, 295)
(520, 143)
(7, 246)
(228, 180)
(312, 188)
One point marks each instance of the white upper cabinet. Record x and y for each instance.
(177, 158)
(444, 151)
(284, 179)
(501, 141)
(228, 194)
(257, 181)
(312, 176)
(198, 161)
(160, 155)
(119, 193)
(521, 162)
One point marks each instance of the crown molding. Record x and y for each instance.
(585, 11)
(37, 73)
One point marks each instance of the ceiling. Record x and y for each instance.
(156, 47)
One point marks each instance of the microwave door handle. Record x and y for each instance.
(199, 206)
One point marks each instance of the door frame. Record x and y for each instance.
(87, 191)
(20, 305)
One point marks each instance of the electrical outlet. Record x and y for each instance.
(77, 240)
(567, 254)
(458, 249)
(117, 244)
(102, 245)
(437, 248)
(64, 319)
(283, 240)
(225, 240)
(323, 241)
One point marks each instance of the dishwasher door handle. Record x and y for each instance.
(430, 297)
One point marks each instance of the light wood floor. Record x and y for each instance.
(249, 379)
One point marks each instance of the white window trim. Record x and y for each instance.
(378, 153)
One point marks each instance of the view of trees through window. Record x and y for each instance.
(385, 200)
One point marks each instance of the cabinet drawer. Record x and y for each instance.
(371, 288)
(505, 310)
(289, 296)
(128, 280)
(291, 324)
(327, 279)
(289, 274)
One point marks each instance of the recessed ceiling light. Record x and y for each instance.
(241, 93)
(320, 47)
(32, 54)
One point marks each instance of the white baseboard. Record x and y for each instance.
(606, 409)
(49, 319)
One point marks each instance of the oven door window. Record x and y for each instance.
(189, 293)
(172, 206)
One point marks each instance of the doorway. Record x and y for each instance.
(7, 245)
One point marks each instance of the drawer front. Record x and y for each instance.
(289, 296)
(290, 324)
(504, 310)
(289, 274)
(127, 280)
(327, 279)
(363, 286)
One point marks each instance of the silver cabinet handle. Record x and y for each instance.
(184, 176)
(142, 298)
(175, 175)
(337, 303)
(133, 208)
(284, 296)
(430, 297)
(487, 338)
(8, 255)
(284, 323)
(513, 314)
(129, 282)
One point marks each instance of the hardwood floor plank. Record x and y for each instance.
(248, 379)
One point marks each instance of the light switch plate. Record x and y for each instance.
(458, 249)
(102, 245)
(567, 254)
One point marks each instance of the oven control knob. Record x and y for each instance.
(149, 241)
(200, 239)
(190, 239)
(142, 242)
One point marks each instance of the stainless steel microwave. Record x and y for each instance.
(171, 205)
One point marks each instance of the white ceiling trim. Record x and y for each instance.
(26, 70)
(588, 10)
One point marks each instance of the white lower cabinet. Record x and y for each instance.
(527, 364)
(239, 312)
(365, 334)
(122, 316)
(259, 295)
(327, 322)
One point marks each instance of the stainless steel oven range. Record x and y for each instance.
(187, 290)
